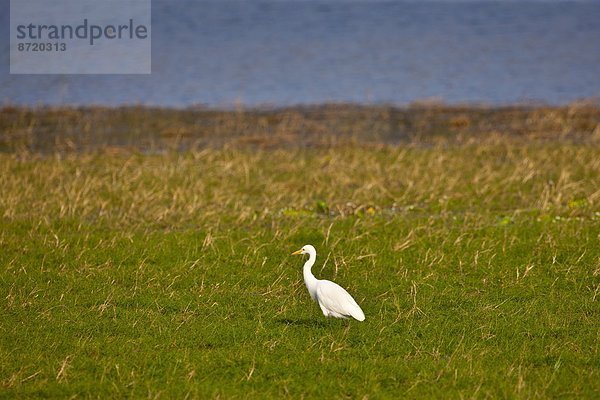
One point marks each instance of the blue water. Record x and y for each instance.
(220, 53)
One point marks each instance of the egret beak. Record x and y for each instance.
(297, 252)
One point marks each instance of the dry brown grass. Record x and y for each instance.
(243, 185)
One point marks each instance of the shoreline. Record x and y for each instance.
(47, 129)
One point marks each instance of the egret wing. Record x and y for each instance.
(335, 298)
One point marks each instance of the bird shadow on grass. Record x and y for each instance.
(302, 322)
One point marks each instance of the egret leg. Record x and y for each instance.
(325, 311)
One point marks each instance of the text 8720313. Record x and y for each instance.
(35, 46)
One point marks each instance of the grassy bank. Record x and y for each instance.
(128, 272)
(49, 130)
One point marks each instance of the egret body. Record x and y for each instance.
(333, 299)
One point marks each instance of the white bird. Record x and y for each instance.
(333, 299)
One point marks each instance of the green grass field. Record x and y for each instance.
(167, 274)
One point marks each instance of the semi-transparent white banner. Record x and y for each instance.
(80, 37)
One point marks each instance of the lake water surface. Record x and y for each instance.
(220, 53)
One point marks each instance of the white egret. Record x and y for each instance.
(333, 299)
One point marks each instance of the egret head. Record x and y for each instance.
(308, 249)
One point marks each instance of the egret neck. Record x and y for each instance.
(309, 278)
